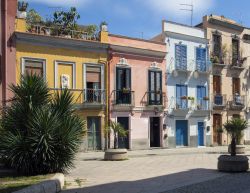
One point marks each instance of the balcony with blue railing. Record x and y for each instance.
(219, 101)
(181, 64)
(182, 103)
(203, 66)
(202, 104)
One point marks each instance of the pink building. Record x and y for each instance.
(8, 51)
(136, 90)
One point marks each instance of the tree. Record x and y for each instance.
(33, 17)
(118, 131)
(40, 132)
(91, 29)
(235, 127)
(66, 20)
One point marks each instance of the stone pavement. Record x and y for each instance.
(150, 171)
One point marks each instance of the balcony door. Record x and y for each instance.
(236, 86)
(93, 84)
(235, 51)
(201, 59)
(123, 86)
(155, 87)
(201, 93)
(217, 45)
(218, 98)
(181, 57)
(217, 126)
(181, 93)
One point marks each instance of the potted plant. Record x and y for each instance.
(224, 53)
(234, 162)
(125, 90)
(215, 59)
(22, 9)
(184, 97)
(104, 26)
(206, 98)
(117, 130)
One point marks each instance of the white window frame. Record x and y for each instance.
(73, 64)
(24, 59)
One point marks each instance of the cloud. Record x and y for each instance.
(172, 7)
(61, 3)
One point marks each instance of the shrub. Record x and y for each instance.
(40, 132)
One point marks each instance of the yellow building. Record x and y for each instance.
(78, 64)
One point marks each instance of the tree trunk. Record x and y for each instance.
(115, 141)
(233, 146)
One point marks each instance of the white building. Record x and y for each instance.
(188, 68)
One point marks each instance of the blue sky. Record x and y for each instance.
(139, 18)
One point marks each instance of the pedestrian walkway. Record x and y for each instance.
(147, 171)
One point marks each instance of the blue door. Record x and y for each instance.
(201, 93)
(181, 91)
(181, 133)
(201, 59)
(201, 133)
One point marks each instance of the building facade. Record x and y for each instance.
(229, 80)
(78, 64)
(188, 68)
(137, 96)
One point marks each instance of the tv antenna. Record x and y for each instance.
(190, 8)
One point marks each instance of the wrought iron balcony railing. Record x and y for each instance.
(155, 98)
(219, 101)
(60, 31)
(237, 102)
(84, 96)
(203, 65)
(123, 97)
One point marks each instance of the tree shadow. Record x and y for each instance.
(158, 184)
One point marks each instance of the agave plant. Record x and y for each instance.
(235, 127)
(40, 133)
(118, 131)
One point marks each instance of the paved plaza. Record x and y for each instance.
(184, 170)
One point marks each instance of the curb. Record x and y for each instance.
(53, 185)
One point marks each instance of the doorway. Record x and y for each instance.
(200, 133)
(94, 133)
(217, 129)
(123, 142)
(181, 132)
(155, 132)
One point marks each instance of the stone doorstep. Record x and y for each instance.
(53, 185)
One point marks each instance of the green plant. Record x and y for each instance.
(215, 59)
(91, 30)
(66, 21)
(33, 17)
(118, 131)
(234, 128)
(191, 98)
(40, 132)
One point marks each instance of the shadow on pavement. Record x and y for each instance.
(158, 184)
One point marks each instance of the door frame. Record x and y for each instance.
(100, 132)
(160, 128)
(129, 129)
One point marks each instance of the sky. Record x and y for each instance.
(142, 18)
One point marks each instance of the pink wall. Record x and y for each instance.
(139, 64)
(8, 51)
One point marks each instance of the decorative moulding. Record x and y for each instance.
(154, 65)
(123, 62)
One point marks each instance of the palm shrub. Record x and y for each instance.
(40, 133)
(235, 127)
(118, 131)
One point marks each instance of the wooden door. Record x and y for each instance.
(217, 84)
(217, 125)
(236, 86)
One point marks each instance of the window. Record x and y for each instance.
(201, 94)
(235, 51)
(217, 45)
(93, 84)
(33, 66)
(201, 59)
(181, 57)
(123, 85)
(155, 87)
(236, 86)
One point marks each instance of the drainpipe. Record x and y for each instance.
(4, 47)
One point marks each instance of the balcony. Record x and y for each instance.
(238, 64)
(122, 99)
(202, 104)
(182, 103)
(218, 61)
(203, 66)
(219, 101)
(237, 102)
(154, 98)
(60, 31)
(85, 98)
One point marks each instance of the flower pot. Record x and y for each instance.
(205, 98)
(184, 97)
(116, 154)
